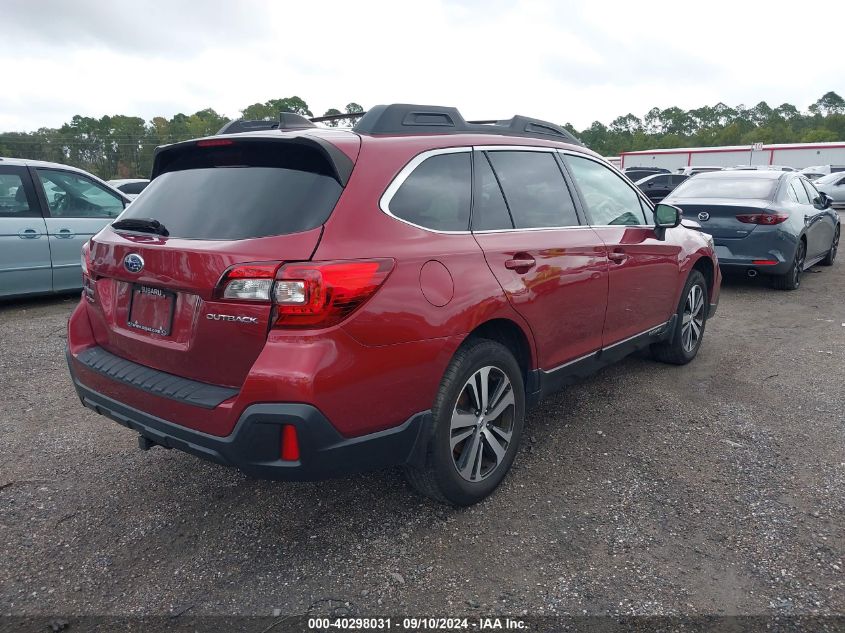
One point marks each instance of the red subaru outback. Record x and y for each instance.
(304, 302)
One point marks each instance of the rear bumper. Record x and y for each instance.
(764, 243)
(255, 443)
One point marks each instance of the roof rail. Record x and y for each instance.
(337, 117)
(403, 118)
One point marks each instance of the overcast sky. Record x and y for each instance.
(560, 61)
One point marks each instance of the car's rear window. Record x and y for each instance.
(743, 188)
(241, 191)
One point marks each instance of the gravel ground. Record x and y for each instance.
(715, 488)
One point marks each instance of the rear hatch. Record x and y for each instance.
(715, 200)
(213, 206)
(718, 216)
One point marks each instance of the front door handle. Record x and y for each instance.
(65, 234)
(521, 263)
(618, 256)
(29, 234)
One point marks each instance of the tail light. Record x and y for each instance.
(767, 219)
(88, 287)
(321, 294)
(248, 282)
(306, 294)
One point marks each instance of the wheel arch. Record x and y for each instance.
(513, 336)
(705, 266)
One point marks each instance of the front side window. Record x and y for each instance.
(70, 195)
(15, 200)
(608, 198)
(437, 194)
(534, 189)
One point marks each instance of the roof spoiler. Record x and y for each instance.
(168, 157)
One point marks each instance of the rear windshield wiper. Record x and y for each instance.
(142, 225)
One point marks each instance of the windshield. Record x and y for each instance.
(743, 188)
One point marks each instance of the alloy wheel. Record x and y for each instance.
(798, 268)
(692, 322)
(482, 424)
(834, 245)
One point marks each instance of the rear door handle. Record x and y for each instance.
(520, 263)
(29, 234)
(65, 233)
(618, 256)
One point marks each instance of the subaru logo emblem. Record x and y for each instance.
(133, 263)
(704, 216)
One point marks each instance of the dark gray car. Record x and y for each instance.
(769, 222)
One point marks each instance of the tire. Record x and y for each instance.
(689, 325)
(792, 279)
(831, 254)
(455, 475)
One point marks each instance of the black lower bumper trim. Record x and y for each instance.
(156, 382)
(254, 444)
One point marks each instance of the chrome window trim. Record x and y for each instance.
(402, 176)
(416, 161)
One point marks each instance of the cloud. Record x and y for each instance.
(566, 62)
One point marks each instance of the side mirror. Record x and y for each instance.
(824, 200)
(666, 216)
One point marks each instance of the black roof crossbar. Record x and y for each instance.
(403, 118)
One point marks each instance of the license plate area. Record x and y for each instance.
(151, 309)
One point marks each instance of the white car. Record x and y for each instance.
(131, 187)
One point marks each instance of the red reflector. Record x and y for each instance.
(764, 262)
(215, 142)
(290, 443)
(767, 219)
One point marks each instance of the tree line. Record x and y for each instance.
(122, 146)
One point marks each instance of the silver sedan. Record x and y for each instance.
(834, 186)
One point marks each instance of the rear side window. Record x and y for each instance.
(70, 195)
(489, 211)
(534, 189)
(812, 192)
(437, 194)
(800, 194)
(16, 200)
(241, 191)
